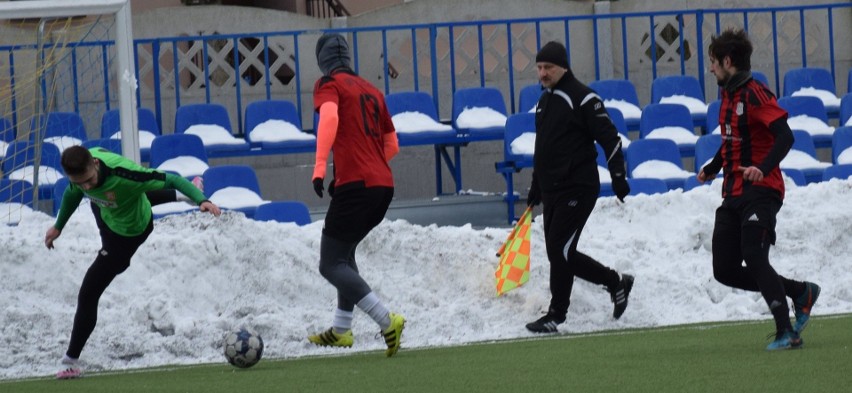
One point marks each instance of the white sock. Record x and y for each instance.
(342, 321)
(69, 360)
(371, 305)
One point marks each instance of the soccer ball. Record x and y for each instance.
(243, 347)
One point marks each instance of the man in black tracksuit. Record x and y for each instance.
(569, 118)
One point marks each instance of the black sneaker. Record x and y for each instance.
(545, 324)
(620, 295)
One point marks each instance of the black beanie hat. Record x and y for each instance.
(553, 52)
(332, 53)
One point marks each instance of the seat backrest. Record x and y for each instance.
(667, 86)
(652, 149)
(477, 97)
(664, 115)
(837, 172)
(840, 141)
(845, 109)
(713, 115)
(798, 78)
(601, 158)
(647, 186)
(760, 77)
(59, 190)
(528, 97)
(804, 105)
(111, 122)
(7, 132)
(411, 101)
(796, 175)
(57, 124)
(20, 154)
(193, 114)
(16, 191)
(113, 145)
(260, 111)
(616, 89)
(617, 119)
(804, 143)
(284, 211)
(165, 147)
(219, 177)
(705, 148)
(516, 125)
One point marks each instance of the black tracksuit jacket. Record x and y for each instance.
(569, 118)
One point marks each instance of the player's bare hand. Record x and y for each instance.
(751, 173)
(50, 236)
(210, 207)
(703, 176)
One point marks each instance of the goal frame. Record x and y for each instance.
(127, 84)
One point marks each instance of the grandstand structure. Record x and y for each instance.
(213, 64)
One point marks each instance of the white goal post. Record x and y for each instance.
(124, 46)
(71, 58)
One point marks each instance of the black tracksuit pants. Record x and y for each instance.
(565, 215)
(744, 230)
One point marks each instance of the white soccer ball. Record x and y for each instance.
(243, 347)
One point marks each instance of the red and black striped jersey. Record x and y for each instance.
(744, 116)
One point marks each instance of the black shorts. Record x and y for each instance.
(757, 207)
(355, 210)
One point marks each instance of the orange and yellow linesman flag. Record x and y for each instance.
(514, 268)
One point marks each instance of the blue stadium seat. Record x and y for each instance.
(683, 85)
(647, 186)
(7, 132)
(804, 143)
(606, 186)
(796, 175)
(528, 97)
(655, 116)
(479, 97)
(146, 122)
(705, 149)
(22, 154)
(16, 191)
(419, 102)
(842, 172)
(618, 121)
(242, 179)
(618, 90)
(60, 124)
(842, 141)
(817, 78)
(665, 150)
(845, 109)
(713, 111)
(811, 107)
(284, 211)
(692, 182)
(58, 191)
(259, 112)
(190, 115)
(181, 147)
(516, 125)
(113, 145)
(761, 77)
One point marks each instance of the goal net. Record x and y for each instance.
(63, 65)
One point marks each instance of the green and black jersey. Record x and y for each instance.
(120, 193)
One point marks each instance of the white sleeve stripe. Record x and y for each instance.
(612, 154)
(589, 97)
(564, 96)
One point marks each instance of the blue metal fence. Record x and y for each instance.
(176, 70)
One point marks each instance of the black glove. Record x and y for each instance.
(534, 197)
(318, 187)
(620, 186)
